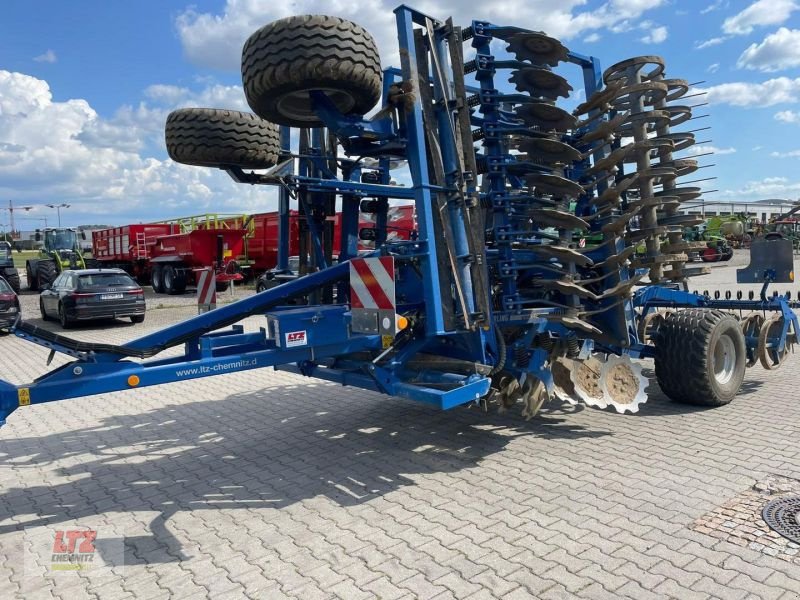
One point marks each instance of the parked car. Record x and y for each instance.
(272, 278)
(88, 294)
(9, 305)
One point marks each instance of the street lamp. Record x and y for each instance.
(58, 208)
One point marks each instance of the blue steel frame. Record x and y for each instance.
(331, 343)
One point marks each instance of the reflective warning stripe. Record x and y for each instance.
(372, 283)
(206, 287)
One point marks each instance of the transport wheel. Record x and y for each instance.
(46, 272)
(91, 263)
(222, 286)
(62, 317)
(210, 137)
(180, 280)
(14, 281)
(285, 60)
(43, 311)
(137, 319)
(700, 357)
(30, 272)
(170, 278)
(727, 254)
(157, 279)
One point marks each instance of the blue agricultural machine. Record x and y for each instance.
(523, 282)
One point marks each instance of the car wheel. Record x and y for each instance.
(43, 311)
(137, 319)
(62, 317)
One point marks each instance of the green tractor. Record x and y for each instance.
(61, 251)
(7, 269)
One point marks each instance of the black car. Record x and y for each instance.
(92, 294)
(9, 305)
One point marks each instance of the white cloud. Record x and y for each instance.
(778, 51)
(215, 39)
(47, 57)
(788, 116)
(711, 7)
(708, 149)
(656, 36)
(760, 13)
(65, 152)
(710, 42)
(591, 38)
(713, 68)
(768, 187)
(789, 154)
(780, 90)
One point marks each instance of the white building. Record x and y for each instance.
(761, 210)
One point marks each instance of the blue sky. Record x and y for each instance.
(85, 87)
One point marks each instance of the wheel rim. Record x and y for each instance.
(298, 106)
(724, 359)
(168, 278)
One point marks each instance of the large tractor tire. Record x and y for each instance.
(209, 137)
(46, 272)
(174, 280)
(285, 60)
(14, 281)
(700, 357)
(30, 273)
(157, 279)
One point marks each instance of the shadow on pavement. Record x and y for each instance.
(259, 450)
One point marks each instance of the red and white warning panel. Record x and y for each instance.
(206, 290)
(372, 295)
(372, 283)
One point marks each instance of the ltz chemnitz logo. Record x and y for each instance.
(73, 550)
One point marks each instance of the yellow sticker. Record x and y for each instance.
(24, 396)
(386, 341)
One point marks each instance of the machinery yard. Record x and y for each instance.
(267, 484)
(477, 341)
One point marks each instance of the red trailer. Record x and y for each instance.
(128, 247)
(167, 258)
(262, 242)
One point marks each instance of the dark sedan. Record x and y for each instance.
(9, 305)
(92, 294)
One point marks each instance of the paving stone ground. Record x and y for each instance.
(268, 485)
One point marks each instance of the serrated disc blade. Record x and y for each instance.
(537, 47)
(546, 116)
(554, 185)
(550, 150)
(540, 82)
(623, 384)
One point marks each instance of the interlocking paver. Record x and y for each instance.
(266, 484)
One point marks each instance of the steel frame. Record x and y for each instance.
(442, 277)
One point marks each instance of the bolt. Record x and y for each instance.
(77, 370)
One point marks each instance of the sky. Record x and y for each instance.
(85, 88)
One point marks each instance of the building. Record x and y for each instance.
(760, 210)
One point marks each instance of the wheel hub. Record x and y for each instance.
(724, 359)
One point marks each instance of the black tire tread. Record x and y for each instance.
(681, 351)
(46, 272)
(14, 281)
(309, 51)
(211, 137)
